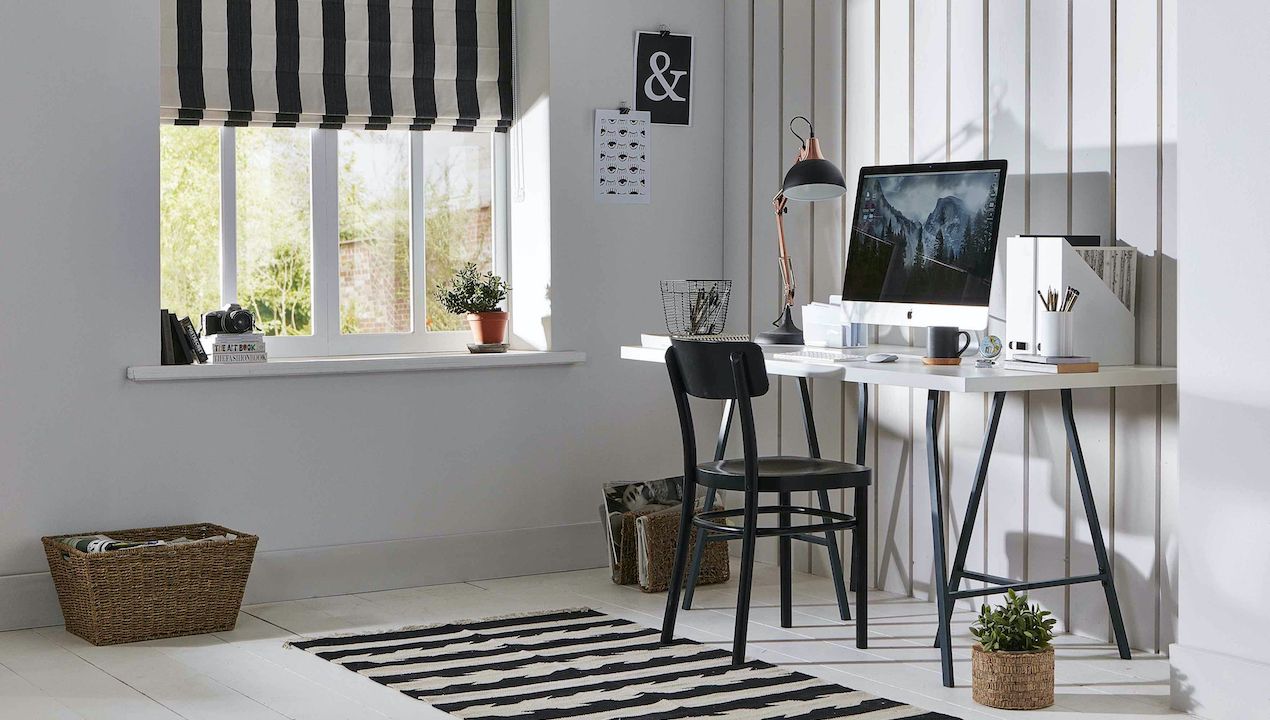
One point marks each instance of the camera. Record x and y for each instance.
(233, 319)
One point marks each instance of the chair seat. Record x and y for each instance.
(784, 473)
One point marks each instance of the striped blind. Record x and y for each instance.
(374, 64)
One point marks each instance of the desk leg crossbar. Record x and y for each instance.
(828, 540)
(948, 585)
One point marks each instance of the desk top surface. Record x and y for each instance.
(908, 371)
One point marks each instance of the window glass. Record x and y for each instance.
(458, 220)
(189, 219)
(374, 231)
(275, 248)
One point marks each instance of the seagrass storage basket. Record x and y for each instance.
(151, 592)
(1013, 680)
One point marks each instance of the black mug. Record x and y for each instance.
(941, 342)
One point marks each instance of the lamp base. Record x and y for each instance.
(786, 332)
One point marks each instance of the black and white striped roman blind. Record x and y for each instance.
(375, 64)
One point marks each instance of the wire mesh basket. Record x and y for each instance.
(695, 307)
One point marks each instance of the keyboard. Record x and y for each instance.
(827, 356)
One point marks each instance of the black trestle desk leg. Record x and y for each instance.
(835, 557)
(976, 499)
(861, 496)
(1095, 529)
(942, 600)
(707, 503)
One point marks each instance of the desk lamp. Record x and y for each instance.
(811, 178)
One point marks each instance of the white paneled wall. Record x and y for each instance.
(1079, 96)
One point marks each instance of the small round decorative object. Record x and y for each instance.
(989, 350)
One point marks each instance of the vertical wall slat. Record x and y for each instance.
(1137, 224)
(826, 258)
(737, 143)
(768, 161)
(930, 144)
(1091, 215)
(1047, 215)
(860, 147)
(966, 142)
(1007, 127)
(1168, 503)
(894, 476)
(796, 98)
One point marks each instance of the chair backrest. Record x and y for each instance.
(706, 370)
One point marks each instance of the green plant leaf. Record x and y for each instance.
(1013, 625)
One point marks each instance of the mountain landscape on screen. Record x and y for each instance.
(924, 238)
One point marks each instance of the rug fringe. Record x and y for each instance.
(408, 628)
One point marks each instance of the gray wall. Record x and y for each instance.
(353, 482)
(1222, 659)
(1080, 98)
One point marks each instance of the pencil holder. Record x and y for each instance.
(1054, 334)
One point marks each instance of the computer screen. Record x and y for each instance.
(925, 234)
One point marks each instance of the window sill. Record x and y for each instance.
(354, 365)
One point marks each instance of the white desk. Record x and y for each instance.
(909, 372)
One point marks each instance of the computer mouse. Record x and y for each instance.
(881, 358)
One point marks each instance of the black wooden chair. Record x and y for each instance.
(735, 371)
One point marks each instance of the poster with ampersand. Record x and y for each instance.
(663, 77)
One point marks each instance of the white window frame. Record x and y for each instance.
(326, 340)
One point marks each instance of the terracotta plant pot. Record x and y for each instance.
(488, 328)
(1022, 680)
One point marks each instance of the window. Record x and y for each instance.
(335, 239)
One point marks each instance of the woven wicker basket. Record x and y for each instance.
(155, 592)
(1014, 680)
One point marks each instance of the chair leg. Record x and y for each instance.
(681, 559)
(785, 546)
(698, 550)
(835, 564)
(747, 576)
(859, 566)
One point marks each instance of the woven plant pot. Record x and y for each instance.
(1014, 680)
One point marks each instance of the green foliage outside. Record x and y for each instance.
(452, 240)
(275, 254)
(375, 215)
(1013, 626)
(274, 219)
(189, 220)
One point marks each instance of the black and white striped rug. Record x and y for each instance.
(585, 664)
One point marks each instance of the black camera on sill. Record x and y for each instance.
(232, 320)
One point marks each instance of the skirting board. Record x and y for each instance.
(30, 601)
(1217, 686)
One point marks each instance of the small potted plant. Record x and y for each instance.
(1013, 660)
(477, 295)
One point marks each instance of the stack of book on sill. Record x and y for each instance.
(1051, 363)
(233, 348)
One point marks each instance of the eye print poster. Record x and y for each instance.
(622, 157)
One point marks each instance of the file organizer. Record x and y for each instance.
(1103, 325)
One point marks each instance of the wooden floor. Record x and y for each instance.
(248, 673)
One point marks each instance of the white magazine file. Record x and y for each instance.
(1103, 327)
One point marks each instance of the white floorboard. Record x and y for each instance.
(249, 673)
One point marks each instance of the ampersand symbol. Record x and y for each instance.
(659, 62)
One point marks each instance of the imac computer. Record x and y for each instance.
(922, 245)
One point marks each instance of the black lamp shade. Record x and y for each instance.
(814, 179)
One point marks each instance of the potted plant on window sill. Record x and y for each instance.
(1013, 660)
(478, 296)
